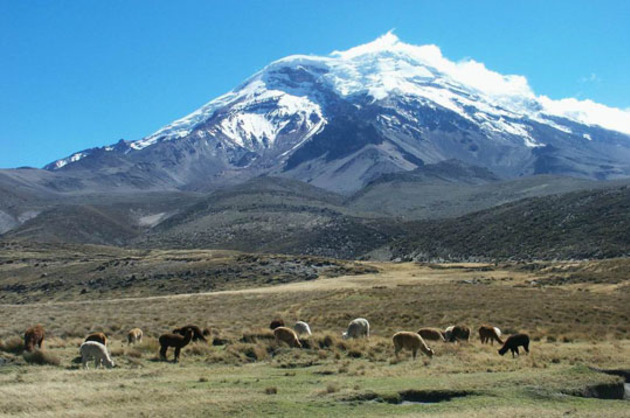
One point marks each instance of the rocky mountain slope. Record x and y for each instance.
(341, 121)
(330, 156)
(578, 225)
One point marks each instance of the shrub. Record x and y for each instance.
(252, 352)
(117, 351)
(255, 336)
(355, 353)
(148, 345)
(134, 353)
(41, 357)
(14, 345)
(198, 349)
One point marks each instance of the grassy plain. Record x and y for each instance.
(576, 313)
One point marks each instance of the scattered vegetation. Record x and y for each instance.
(41, 357)
(578, 225)
(247, 373)
(41, 272)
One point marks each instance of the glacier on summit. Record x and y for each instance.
(389, 106)
(388, 66)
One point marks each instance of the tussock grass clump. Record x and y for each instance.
(41, 358)
(133, 353)
(332, 388)
(56, 342)
(14, 345)
(76, 332)
(257, 335)
(198, 349)
(148, 345)
(220, 341)
(325, 341)
(117, 351)
(249, 352)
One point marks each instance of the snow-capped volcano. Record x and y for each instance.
(340, 121)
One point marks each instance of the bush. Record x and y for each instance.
(252, 352)
(115, 352)
(198, 349)
(41, 357)
(14, 345)
(256, 336)
(134, 353)
(148, 345)
(332, 388)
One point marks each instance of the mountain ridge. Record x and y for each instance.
(341, 121)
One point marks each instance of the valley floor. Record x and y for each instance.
(580, 321)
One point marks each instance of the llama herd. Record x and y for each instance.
(95, 345)
(412, 341)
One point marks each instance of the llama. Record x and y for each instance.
(34, 336)
(489, 334)
(410, 341)
(278, 322)
(134, 336)
(302, 327)
(174, 340)
(359, 327)
(99, 337)
(197, 333)
(457, 333)
(433, 334)
(287, 335)
(97, 351)
(513, 342)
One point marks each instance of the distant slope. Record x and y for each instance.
(272, 215)
(47, 272)
(586, 224)
(107, 219)
(280, 215)
(452, 188)
(80, 224)
(20, 197)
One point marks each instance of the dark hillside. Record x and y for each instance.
(587, 224)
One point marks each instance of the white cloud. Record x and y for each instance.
(592, 78)
(510, 91)
(588, 112)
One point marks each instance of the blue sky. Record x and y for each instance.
(80, 74)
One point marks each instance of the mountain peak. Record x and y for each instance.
(341, 120)
(384, 43)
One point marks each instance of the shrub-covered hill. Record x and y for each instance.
(587, 224)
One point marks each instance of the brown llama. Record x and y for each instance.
(489, 334)
(411, 341)
(174, 340)
(457, 333)
(278, 322)
(34, 336)
(287, 335)
(432, 334)
(197, 333)
(99, 337)
(134, 336)
(513, 342)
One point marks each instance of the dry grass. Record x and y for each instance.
(570, 329)
(64, 272)
(41, 357)
(14, 345)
